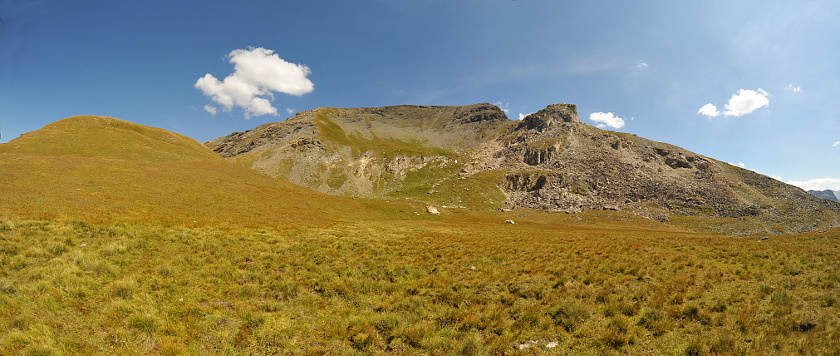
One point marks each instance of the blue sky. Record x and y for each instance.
(769, 69)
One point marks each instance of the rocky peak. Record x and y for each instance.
(550, 116)
(479, 112)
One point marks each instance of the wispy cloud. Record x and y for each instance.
(501, 104)
(642, 64)
(793, 88)
(258, 74)
(836, 144)
(817, 184)
(741, 103)
(607, 119)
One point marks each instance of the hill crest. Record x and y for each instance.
(107, 137)
(97, 168)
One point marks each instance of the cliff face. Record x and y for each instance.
(474, 157)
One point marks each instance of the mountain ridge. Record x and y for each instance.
(474, 157)
(825, 194)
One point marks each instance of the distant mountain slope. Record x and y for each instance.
(825, 194)
(104, 169)
(474, 157)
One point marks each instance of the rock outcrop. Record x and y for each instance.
(474, 156)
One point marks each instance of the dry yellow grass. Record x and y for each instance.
(463, 285)
(108, 170)
(187, 255)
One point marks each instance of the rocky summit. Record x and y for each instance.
(474, 157)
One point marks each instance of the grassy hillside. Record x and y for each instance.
(106, 137)
(163, 249)
(103, 169)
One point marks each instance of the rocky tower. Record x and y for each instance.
(550, 116)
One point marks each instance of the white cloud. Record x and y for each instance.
(522, 116)
(836, 144)
(741, 164)
(290, 111)
(642, 64)
(741, 103)
(709, 110)
(793, 88)
(258, 74)
(211, 109)
(607, 119)
(746, 101)
(818, 184)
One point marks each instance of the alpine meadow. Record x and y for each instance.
(419, 177)
(118, 238)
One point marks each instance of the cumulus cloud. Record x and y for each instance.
(522, 116)
(709, 110)
(746, 101)
(258, 74)
(836, 144)
(793, 88)
(211, 109)
(741, 103)
(817, 184)
(606, 119)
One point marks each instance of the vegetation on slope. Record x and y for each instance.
(136, 254)
(148, 175)
(592, 283)
(549, 160)
(106, 137)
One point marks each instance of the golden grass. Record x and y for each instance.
(467, 284)
(106, 137)
(192, 193)
(117, 171)
(160, 251)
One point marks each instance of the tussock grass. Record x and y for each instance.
(150, 247)
(465, 284)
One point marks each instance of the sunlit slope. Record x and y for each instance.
(106, 137)
(104, 169)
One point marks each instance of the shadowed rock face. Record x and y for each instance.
(550, 116)
(549, 160)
